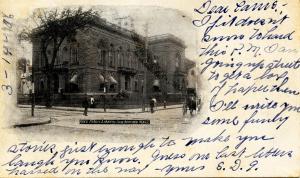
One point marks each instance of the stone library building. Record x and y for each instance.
(107, 60)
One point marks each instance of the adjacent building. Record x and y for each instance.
(23, 79)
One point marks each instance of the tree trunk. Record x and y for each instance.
(49, 91)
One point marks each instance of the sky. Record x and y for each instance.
(160, 21)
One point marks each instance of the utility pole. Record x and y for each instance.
(145, 69)
(105, 81)
(32, 93)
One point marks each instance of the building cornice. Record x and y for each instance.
(166, 37)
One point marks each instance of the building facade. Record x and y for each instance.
(104, 60)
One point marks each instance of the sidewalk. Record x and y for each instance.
(32, 121)
(100, 110)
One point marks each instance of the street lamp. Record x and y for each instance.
(145, 69)
(105, 79)
(105, 75)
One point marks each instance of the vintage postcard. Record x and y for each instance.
(166, 88)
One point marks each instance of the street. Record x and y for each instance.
(65, 125)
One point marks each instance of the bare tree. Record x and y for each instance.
(52, 27)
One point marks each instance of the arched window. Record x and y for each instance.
(103, 50)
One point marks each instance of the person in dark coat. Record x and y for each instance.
(152, 104)
(85, 105)
(192, 104)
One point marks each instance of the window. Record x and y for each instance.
(129, 60)
(135, 63)
(101, 88)
(112, 88)
(178, 84)
(177, 60)
(122, 60)
(102, 55)
(74, 55)
(110, 58)
(103, 51)
(38, 58)
(113, 58)
(136, 86)
(192, 72)
(155, 60)
(65, 54)
(111, 55)
(58, 57)
(127, 83)
(139, 65)
(42, 87)
(118, 58)
(42, 60)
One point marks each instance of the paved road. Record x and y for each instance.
(65, 126)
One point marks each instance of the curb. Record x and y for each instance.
(32, 123)
(81, 110)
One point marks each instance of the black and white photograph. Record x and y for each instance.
(113, 72)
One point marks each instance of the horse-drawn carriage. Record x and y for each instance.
(192, 102)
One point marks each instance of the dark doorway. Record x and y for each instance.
(42, 88)
(73, 88)
(156, 89)
(56, 83)
(127, 82)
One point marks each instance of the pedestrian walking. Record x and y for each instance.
(152, 104)
(92, 102)
(85, 105)
(155, 103)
